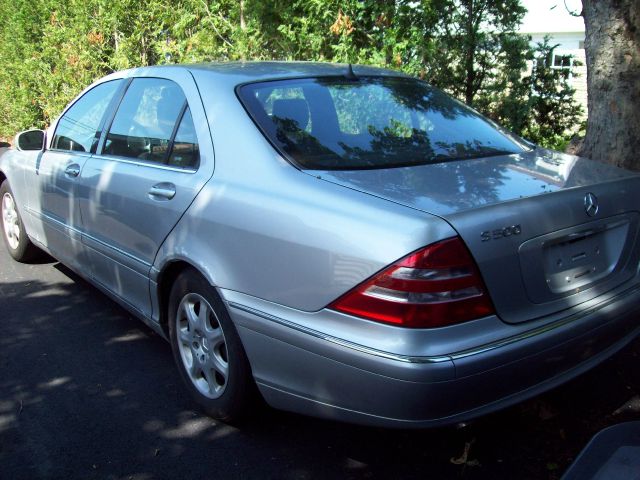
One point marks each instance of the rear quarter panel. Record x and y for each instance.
(266, 229)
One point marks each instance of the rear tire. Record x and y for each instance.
(207, 349)
(15, 236)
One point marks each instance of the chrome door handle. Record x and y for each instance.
(162, 191)
(72, 170)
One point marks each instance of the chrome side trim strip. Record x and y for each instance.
(545, 328)
(444, 358)
(54, 221)
(339, 341)
(80, 233)
(139, 163)
(86, 237)
(68, 152)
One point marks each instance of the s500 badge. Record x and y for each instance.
(500, 233)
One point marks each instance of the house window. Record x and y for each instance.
(562, 60)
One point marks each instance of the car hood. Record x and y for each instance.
(447, 188)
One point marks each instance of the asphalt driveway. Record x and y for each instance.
(87, 391)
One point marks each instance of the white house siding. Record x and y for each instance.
(552, 18)
(570, 43)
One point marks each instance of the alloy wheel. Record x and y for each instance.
(202, 345)
(10, 221)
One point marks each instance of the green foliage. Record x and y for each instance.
(541, 106)
(478, 53)
(51, 50)
(553, 114)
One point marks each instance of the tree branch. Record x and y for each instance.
(209, 15)
(573, 14)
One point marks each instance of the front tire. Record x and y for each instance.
(207, 349)
(13, 232)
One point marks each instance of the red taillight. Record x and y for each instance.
(433, 287)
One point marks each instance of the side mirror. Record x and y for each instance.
(30, 140)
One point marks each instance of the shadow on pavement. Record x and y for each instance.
(87, 391)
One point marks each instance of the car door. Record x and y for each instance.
(151, 162)
(53, 182)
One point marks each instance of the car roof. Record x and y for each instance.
(242, 72)
(258, 70)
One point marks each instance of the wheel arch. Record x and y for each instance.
(168, 274)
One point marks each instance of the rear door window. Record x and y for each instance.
(185, 152)
(146, 120)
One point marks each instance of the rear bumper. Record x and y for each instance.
(305, 372)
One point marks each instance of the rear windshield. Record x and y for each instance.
(334, 123)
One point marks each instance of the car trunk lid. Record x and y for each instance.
(547, 230)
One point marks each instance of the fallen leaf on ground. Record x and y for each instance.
(632, 405)
(464, 458)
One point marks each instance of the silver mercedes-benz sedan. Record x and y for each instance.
(346, 242)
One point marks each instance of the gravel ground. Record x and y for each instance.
(87, 391)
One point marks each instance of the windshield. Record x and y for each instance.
(335, 123)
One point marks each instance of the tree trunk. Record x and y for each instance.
(613, 81)
(243, 24)
(389, 11)
(469, 60)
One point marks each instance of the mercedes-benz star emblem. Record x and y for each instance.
(591, 204)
